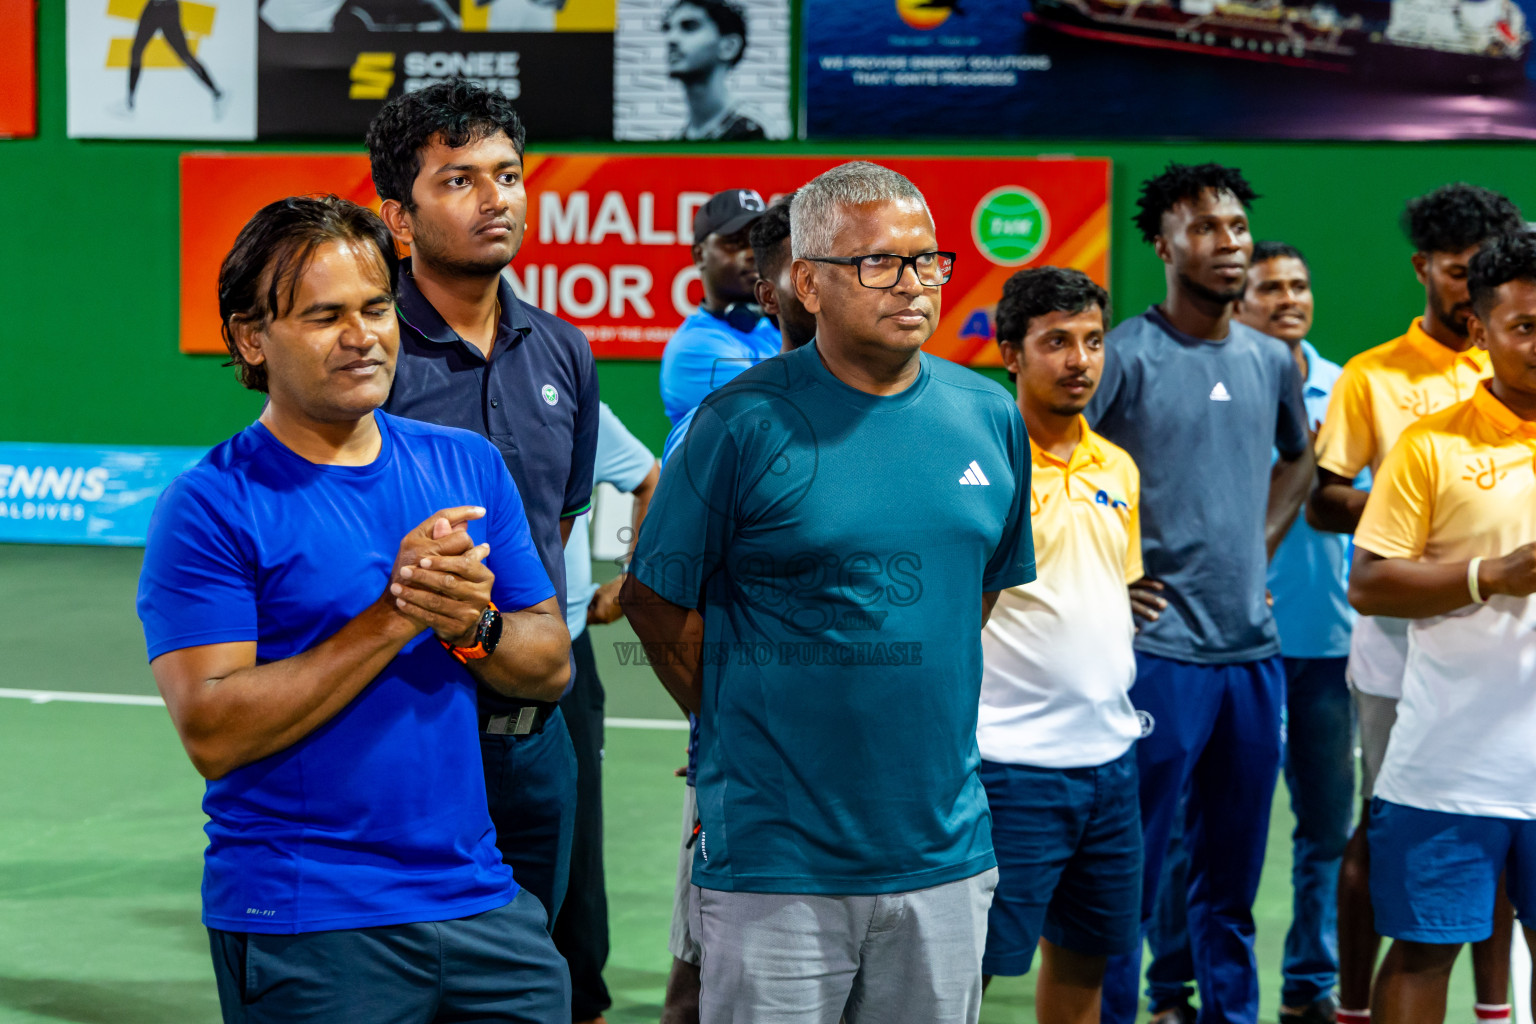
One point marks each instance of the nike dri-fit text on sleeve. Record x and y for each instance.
(378, 817)
(838, 545)
(1202, 420)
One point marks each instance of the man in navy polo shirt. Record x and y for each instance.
(1202, 403)
(325, 685)
(447, 161)
(819, 607)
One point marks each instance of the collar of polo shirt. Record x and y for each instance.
(422, 317)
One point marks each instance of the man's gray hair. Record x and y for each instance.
(816, 215)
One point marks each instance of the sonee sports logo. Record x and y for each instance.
(1010, 226)
(373, 74)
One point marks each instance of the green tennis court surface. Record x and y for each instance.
(101, 841)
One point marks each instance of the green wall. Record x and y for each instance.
(89, 276)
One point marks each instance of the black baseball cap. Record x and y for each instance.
(727, 212)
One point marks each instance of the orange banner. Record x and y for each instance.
(607, 245)
(18, 69)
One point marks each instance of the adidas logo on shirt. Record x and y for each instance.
(974, 475)
(1219, 393)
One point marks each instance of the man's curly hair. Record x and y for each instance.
(1458, 216)
(1180, 182)
(1510, 257)
(456, 112)
(1040, 291)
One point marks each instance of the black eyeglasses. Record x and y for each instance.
(884, 269)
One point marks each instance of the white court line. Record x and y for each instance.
(71, 696)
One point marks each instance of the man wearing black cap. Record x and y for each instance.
(728, 332)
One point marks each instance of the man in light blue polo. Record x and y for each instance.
(1309, 579)
(812, 581)
(728, 332)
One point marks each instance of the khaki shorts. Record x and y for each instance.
(683, 943)
(1376, 716)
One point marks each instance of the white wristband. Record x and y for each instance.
(1477, 595)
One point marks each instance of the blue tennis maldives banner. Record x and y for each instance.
(82, 494)
(1226, 69)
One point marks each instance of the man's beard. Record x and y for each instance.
(424, 247)
(1210, 294)
(1448, 317)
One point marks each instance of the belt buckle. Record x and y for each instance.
(520, 724)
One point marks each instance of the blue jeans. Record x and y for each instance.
(1319, 772)
(530, 785)
(1215, 735)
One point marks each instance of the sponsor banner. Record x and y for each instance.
(18, 69)
(1353, 69)
(162, 69)
(81, 494)
(607, 245)
(331, 83)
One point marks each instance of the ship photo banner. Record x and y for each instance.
(575, 69)
(1229, 69)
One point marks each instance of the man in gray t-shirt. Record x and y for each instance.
(1201, 402)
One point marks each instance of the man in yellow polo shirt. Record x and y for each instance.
(1382, 392)
(1446, 542)
(1056, 727)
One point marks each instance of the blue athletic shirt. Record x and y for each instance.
(838, 545)
(706, 352)
(1202, 420)
(379, 816)
(1309, 575)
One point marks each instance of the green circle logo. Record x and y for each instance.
(1010, 226)
(551, 396)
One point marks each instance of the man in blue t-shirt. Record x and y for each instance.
(818, 603)
(1308, 579)
(323, 683)
(1202, 403)
(728, 332)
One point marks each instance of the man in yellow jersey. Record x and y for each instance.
(1381, 392)
(1056, 727)
(1446, 542)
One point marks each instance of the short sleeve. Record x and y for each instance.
(1291, 434)
(1347, 442)
(1013, 561)
(578, 483)
(621, 459)
(521, 581)
(675, 436)
(1134, 570)
(684, 538)
(1395, 523)
(197, 585)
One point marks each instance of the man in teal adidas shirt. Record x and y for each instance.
(812, 582)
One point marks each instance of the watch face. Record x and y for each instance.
(491, 636)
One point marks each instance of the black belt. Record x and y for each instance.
(514, 719)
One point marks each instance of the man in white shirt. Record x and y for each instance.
(1056, 726)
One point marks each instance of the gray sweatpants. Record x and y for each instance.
(903, 958)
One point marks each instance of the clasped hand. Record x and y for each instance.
(439, 580)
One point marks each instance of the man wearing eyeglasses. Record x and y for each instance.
(824, 550)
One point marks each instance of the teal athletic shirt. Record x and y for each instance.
(838, 545)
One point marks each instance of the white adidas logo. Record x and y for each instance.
(974, 475)
(1219, 393)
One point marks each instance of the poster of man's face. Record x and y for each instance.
(702, 70)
